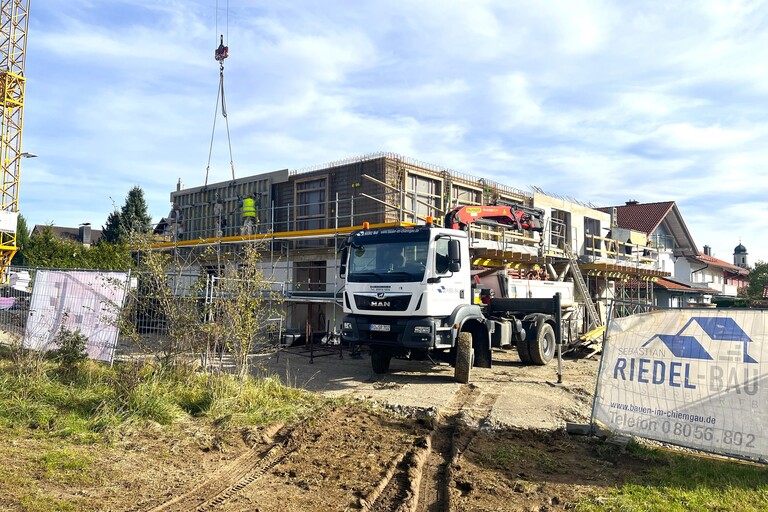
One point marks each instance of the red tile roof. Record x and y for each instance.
(711, 260)
(644, 217)
(671, 285)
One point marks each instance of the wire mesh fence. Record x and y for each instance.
(14, 304)
(39, 305)
(180, 312)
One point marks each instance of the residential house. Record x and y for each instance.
(696, 276)
(674, 292)
(83, 234)
(723, 277)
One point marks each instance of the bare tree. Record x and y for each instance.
(204, 306)
(242, 304)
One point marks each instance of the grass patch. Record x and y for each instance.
(261, 402)
(678, 482)
(56, 425)
(100, 400)
(44, 503)
(509, 456)
(66, 466)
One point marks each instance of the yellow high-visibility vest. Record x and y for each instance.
(249, 207)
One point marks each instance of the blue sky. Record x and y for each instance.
(596, 100)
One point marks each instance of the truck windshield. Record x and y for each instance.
(387, 259)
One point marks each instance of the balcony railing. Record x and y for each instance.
(608, 250)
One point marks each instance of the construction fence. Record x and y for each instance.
(120, 313)
(38, 305)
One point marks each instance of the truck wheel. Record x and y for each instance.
(465, 358)
(380, 360)
(522, 351)
(542, 350)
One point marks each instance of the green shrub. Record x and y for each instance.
(195, 400)
(70, 353)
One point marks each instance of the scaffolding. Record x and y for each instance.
(303, 216)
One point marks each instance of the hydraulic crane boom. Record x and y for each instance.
(515, 216)
(14, 22)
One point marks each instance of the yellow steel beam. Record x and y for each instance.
(281, 235)
(594, 334)
(14, 22)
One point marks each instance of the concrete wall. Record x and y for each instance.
(577, 214)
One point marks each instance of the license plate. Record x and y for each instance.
(380, 327)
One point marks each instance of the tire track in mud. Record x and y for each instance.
(242, 471)
(422, 478)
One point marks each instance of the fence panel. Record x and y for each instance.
(76, 300)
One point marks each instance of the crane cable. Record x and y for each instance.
(222, 52)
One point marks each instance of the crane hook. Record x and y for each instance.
(222, 52)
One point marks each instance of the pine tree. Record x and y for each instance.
(132, 217)
(22, 241)
(134, 214)
(110, 232)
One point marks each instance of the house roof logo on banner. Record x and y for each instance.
(717, 329)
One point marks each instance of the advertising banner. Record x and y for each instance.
(694, 378)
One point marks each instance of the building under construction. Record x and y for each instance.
(302, 216)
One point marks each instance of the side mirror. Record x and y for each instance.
(343, 266)
(454, 256)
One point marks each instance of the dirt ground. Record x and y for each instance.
(415, 441)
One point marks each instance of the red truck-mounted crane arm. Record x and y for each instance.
(515, 216)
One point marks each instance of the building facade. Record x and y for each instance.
(303, 216)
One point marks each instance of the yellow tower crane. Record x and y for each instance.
(14, 22)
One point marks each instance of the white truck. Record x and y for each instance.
(411, 292)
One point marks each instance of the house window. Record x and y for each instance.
(422, 197)
(561, 226)
(310, 200)
(462, 196)
(591, 230)
(310, 276)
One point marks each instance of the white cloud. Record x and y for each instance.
(513, 91)
(646, 103)
(601, 101)
(684, 136)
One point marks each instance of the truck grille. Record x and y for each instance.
(389, 303)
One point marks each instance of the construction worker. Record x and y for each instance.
(391, 258)
(248, 205)
(175, 225)
(218, 212)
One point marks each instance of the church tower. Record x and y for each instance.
(740, 256)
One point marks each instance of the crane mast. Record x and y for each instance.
(14, 22)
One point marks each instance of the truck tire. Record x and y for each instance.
(464, 358)
(380, 360)
(522, 351)
(542, 349)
